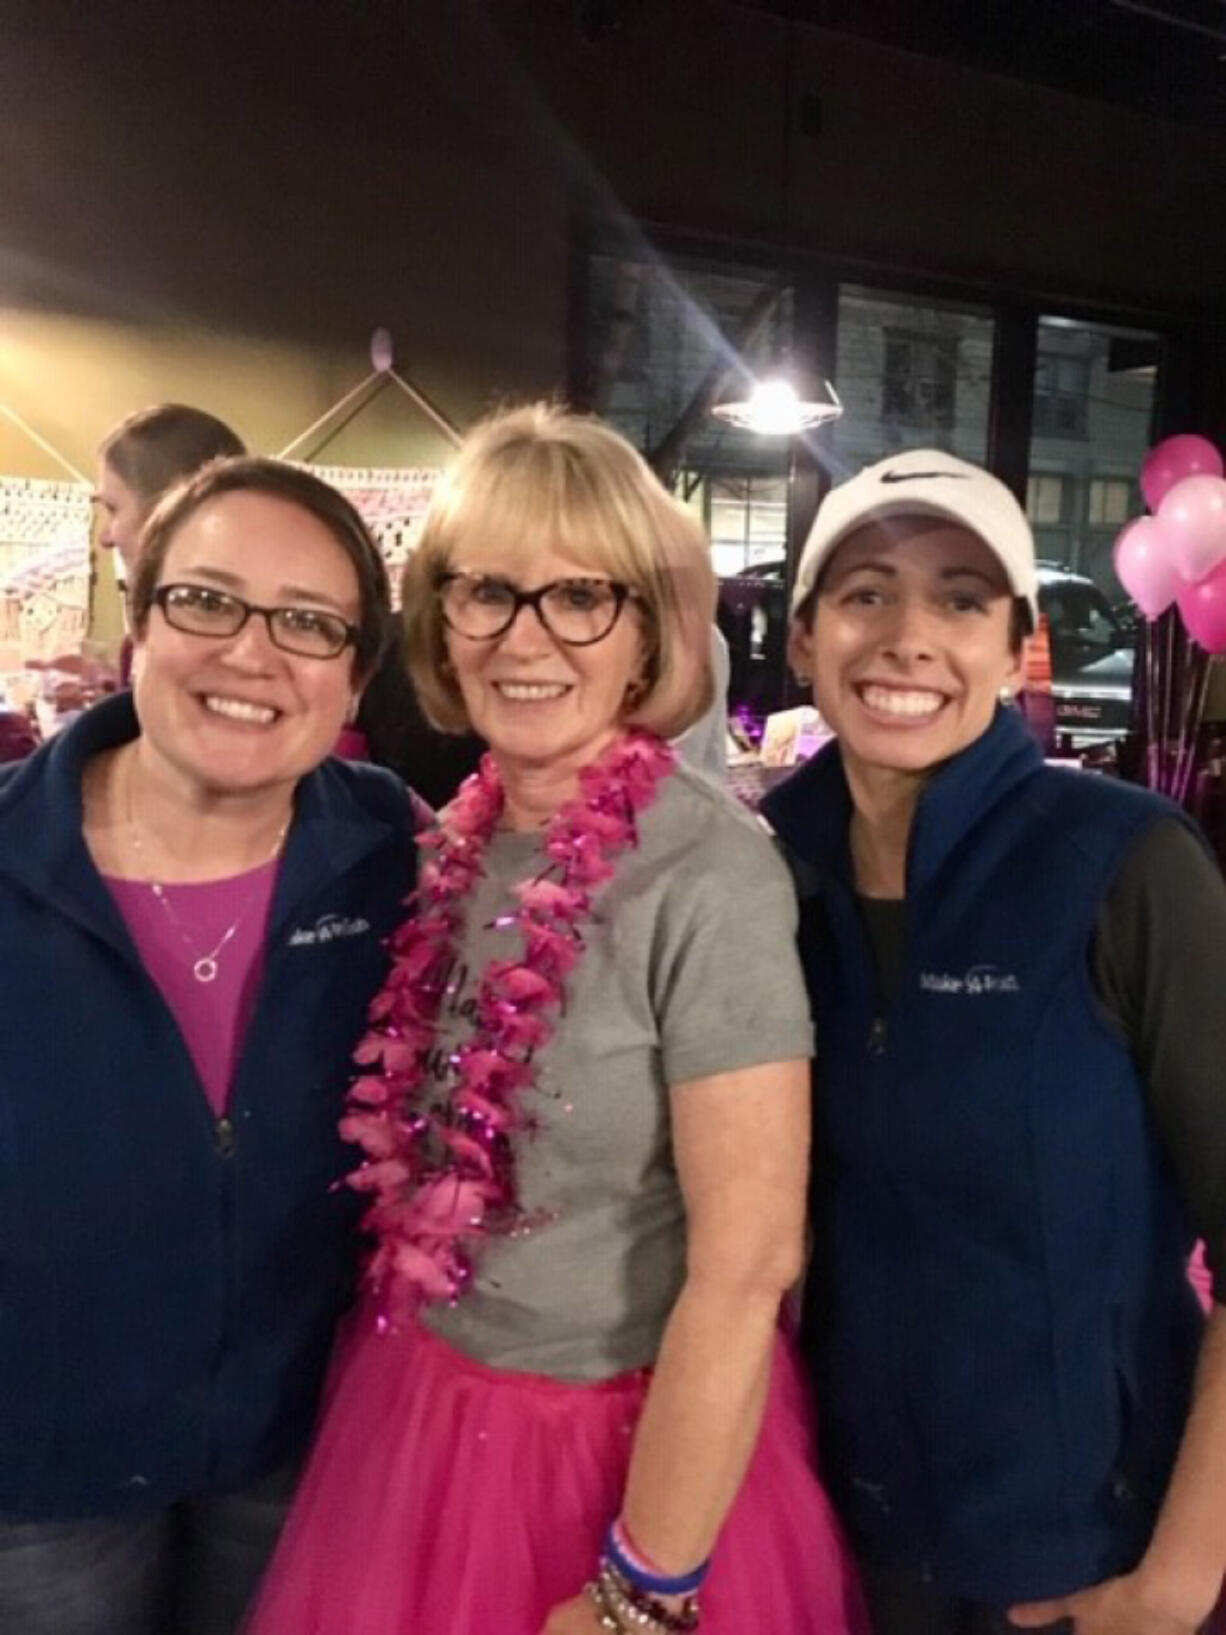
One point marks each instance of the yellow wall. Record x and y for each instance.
(71, 379)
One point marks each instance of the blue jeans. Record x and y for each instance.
(187, 1570)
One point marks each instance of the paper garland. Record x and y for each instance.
(391, 500)
(44, 568)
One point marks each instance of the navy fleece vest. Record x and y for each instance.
(168, 1282)
(1000, 1327)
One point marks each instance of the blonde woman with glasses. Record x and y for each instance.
(564, 1405)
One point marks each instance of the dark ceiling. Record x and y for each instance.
(1162, 57)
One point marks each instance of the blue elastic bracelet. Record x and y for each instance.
(652, 1583)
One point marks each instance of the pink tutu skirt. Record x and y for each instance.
(447, 1498)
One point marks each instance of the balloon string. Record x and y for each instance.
(1177, 695)
(1166, 665)
(1197, 694)
(1162, 663)
(1150, 637)
(1171, 660)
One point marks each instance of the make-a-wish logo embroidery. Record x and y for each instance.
(327, 928)
(980, 979)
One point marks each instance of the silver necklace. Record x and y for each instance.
(204, 966)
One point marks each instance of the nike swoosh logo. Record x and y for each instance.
(920, 476)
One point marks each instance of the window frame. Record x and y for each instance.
(1049, 399)
(815, 280)
(944, 349)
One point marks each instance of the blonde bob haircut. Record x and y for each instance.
(540, 478)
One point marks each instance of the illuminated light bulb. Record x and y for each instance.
(774, 408)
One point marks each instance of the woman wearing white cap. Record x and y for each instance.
(1021, 1104)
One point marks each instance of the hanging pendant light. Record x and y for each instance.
(774, 408)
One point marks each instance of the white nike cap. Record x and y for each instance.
(925, 482)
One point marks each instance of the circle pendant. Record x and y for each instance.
(205, 970)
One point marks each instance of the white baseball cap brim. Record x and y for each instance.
(927, 483)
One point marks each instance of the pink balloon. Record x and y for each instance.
(1193, 520)
(1203, 606)
(1173, 459)
(1143, 563)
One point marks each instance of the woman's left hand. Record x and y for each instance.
(1119, 1606)
(577, 1617)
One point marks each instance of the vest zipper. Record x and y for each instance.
(225, 1137)
(225, 1142)
(878, 1034)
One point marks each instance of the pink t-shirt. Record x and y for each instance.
(212, 1016)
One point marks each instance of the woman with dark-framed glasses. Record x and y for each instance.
(193, 903)
(581, 1115)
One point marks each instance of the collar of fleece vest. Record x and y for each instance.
(811, 810)
(341, 814)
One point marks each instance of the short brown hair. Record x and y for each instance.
(254, 475)
(156, 447)
(541, 476)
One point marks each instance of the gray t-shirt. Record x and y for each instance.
(688, 971)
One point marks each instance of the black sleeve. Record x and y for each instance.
(1159, 964)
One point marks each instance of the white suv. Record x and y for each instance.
(1091, 656)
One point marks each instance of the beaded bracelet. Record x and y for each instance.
(634, 1566)
(636, 1613)
(605, 1618)
(641, 1609)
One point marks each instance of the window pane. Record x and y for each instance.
(911, 374)
(1045, 499)
(659, 331)
(1111, 501)
(1093, 403)
(728, 524)
(1118, 502)
(767, 522)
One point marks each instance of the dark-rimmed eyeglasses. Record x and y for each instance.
(577, 612)
(307, 632)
